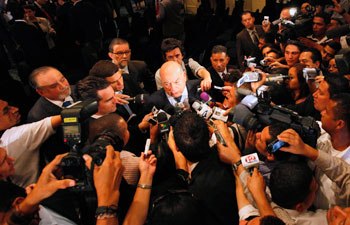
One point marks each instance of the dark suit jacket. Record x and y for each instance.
(139, 73)
(217, 81)
(32, 42)
(54, 144)
(84, 22)
(160, 100)
(137, 139)
(213, 183)
(245, 45)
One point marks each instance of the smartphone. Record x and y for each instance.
(152, 121)
(276, 145)
(266, 19)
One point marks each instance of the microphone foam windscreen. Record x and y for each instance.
(204, 96)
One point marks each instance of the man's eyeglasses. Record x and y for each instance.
(122, 53)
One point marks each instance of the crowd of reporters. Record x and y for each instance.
(262, 137)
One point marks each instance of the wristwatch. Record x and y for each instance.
(236, 165)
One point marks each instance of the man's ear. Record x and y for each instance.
(318, 63)
(270, 157)
(300, 207)
(110, 55)
(17, 201)
(340, 124)
(40, 92)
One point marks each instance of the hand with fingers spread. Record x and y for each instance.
(46, 186)
(107, 177)
(337, 7)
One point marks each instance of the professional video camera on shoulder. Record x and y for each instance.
(75, 126)
(299, 25)
(256, 112)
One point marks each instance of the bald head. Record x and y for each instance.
(173, 78)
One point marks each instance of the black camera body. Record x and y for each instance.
(75, 124)
(264, 114)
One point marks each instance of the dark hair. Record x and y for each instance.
(233, 76)
(296, 43)
(271, 220)
(169, 44)
(29, 6)
(245, 13)
(176, 207)
(87, 88)
(191, 136)
(315, 54)
(18, 13)
(219, 49)
(334, 45)
(304, 88)
(36, 72)
(342, 109)
(326, 17)
(116, 41)
(275, 129)
(290, 183)
(268, 37)
(9, 192)
(337, 84)
(103, 68)
(110, 122)
(279, 53)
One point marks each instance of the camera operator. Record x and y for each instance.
(116, 124)
(335, 141)
(22, 142)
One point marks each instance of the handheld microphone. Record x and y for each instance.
(202, 109)
(163, 124)
(207, 99)
(276, 77)
(251, 161)
(138, 99)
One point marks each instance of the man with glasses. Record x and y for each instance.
(120, 53)
(175, 88)
(55, 93)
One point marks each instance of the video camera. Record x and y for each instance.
(75, 123)
(257, 112)
(300, 25)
